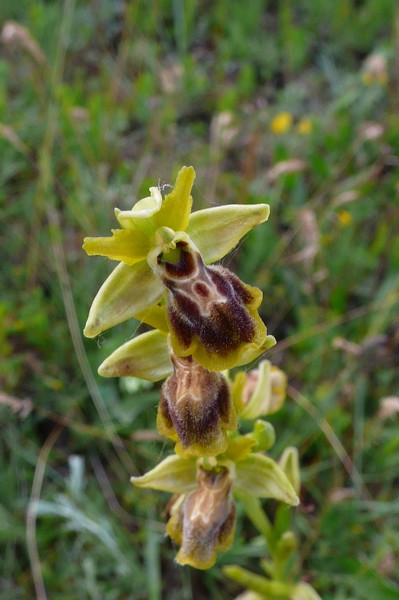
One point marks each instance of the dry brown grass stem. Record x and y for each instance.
(31, 513)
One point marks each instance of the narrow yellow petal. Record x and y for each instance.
(129, 247)
(176, 207)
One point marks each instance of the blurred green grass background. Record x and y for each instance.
(290, 103)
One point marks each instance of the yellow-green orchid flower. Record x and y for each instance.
(203, 516)
(158, 241)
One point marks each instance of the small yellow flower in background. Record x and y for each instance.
(344, 218)
(305, 126)
(357, 528)
(281, 123)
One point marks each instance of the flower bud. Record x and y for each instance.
(263, 392)
(203, 521)
(212, 315)
(286, 545)
(195, 409)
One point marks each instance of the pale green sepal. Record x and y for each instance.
(289, 462)
(304, 591)
(257, 583)
(260, 476)
(174, 474)
(127, 291)
(176, 207)
(142, 213)
(146, 357)
(218, 230)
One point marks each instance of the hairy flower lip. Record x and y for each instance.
(195, 409)
(211, 314)
(203, 521)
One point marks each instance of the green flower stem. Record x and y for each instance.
(280, 546)
(269, 589)
(258, 518)
(282, 520)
